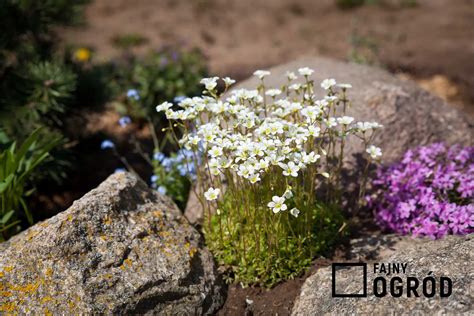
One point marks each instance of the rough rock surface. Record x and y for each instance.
(451, 257)
(120, 249)
(193, 211)
(411, 116)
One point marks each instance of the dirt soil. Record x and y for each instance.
(434, 37)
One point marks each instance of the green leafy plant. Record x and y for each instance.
(160, 76)
(173, 175)
(270, 168)
(16, 167)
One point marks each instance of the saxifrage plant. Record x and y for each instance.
(261, 156)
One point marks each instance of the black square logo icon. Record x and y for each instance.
(356, 272)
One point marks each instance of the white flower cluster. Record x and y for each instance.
(252, 133)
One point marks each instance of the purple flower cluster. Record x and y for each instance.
(428, 193)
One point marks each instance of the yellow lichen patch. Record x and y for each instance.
(49, 272)
(71, 305)
(192, 252)
(157, 214)
(2, 274)
(5, 293)
(108, 276)
(47, 299)
(164, 233)
(122, 267)
(31, 234)
(8, 307)
(104, 237)
(69, 218)
(8, 269)
(47, 312)
(108, 221)
(128, 262)
(27, 288)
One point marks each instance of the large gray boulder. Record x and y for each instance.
(411, 116)
(449, 257)
(120, 249)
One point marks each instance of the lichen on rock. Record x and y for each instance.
(122, 248)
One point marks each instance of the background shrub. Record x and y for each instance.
(160, 76)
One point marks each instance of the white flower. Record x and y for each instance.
(374, 151)
(295, 86)
(261, 74)
(273, 92)
(215, 151)
(245, 171)
(312, 157)
(331, 98)
(310, 112)
(225, 163)
(163, 106)
(295, 212)
(288, 194)
(228, 81)
(305, 71)
(328, 83)
(194, 140)
(344, 85)
(254, 178)
(291, 75)
(375, 125)
(277, 204)
(364, 126)
(289, 169)
(313, 130)
(209, 83)
(214, 171)
(331, 122)
(345, 120)
(212, 194)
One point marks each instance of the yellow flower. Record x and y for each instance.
(82, 54)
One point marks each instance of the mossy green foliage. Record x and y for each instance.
(248, 255)
(260, 247)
